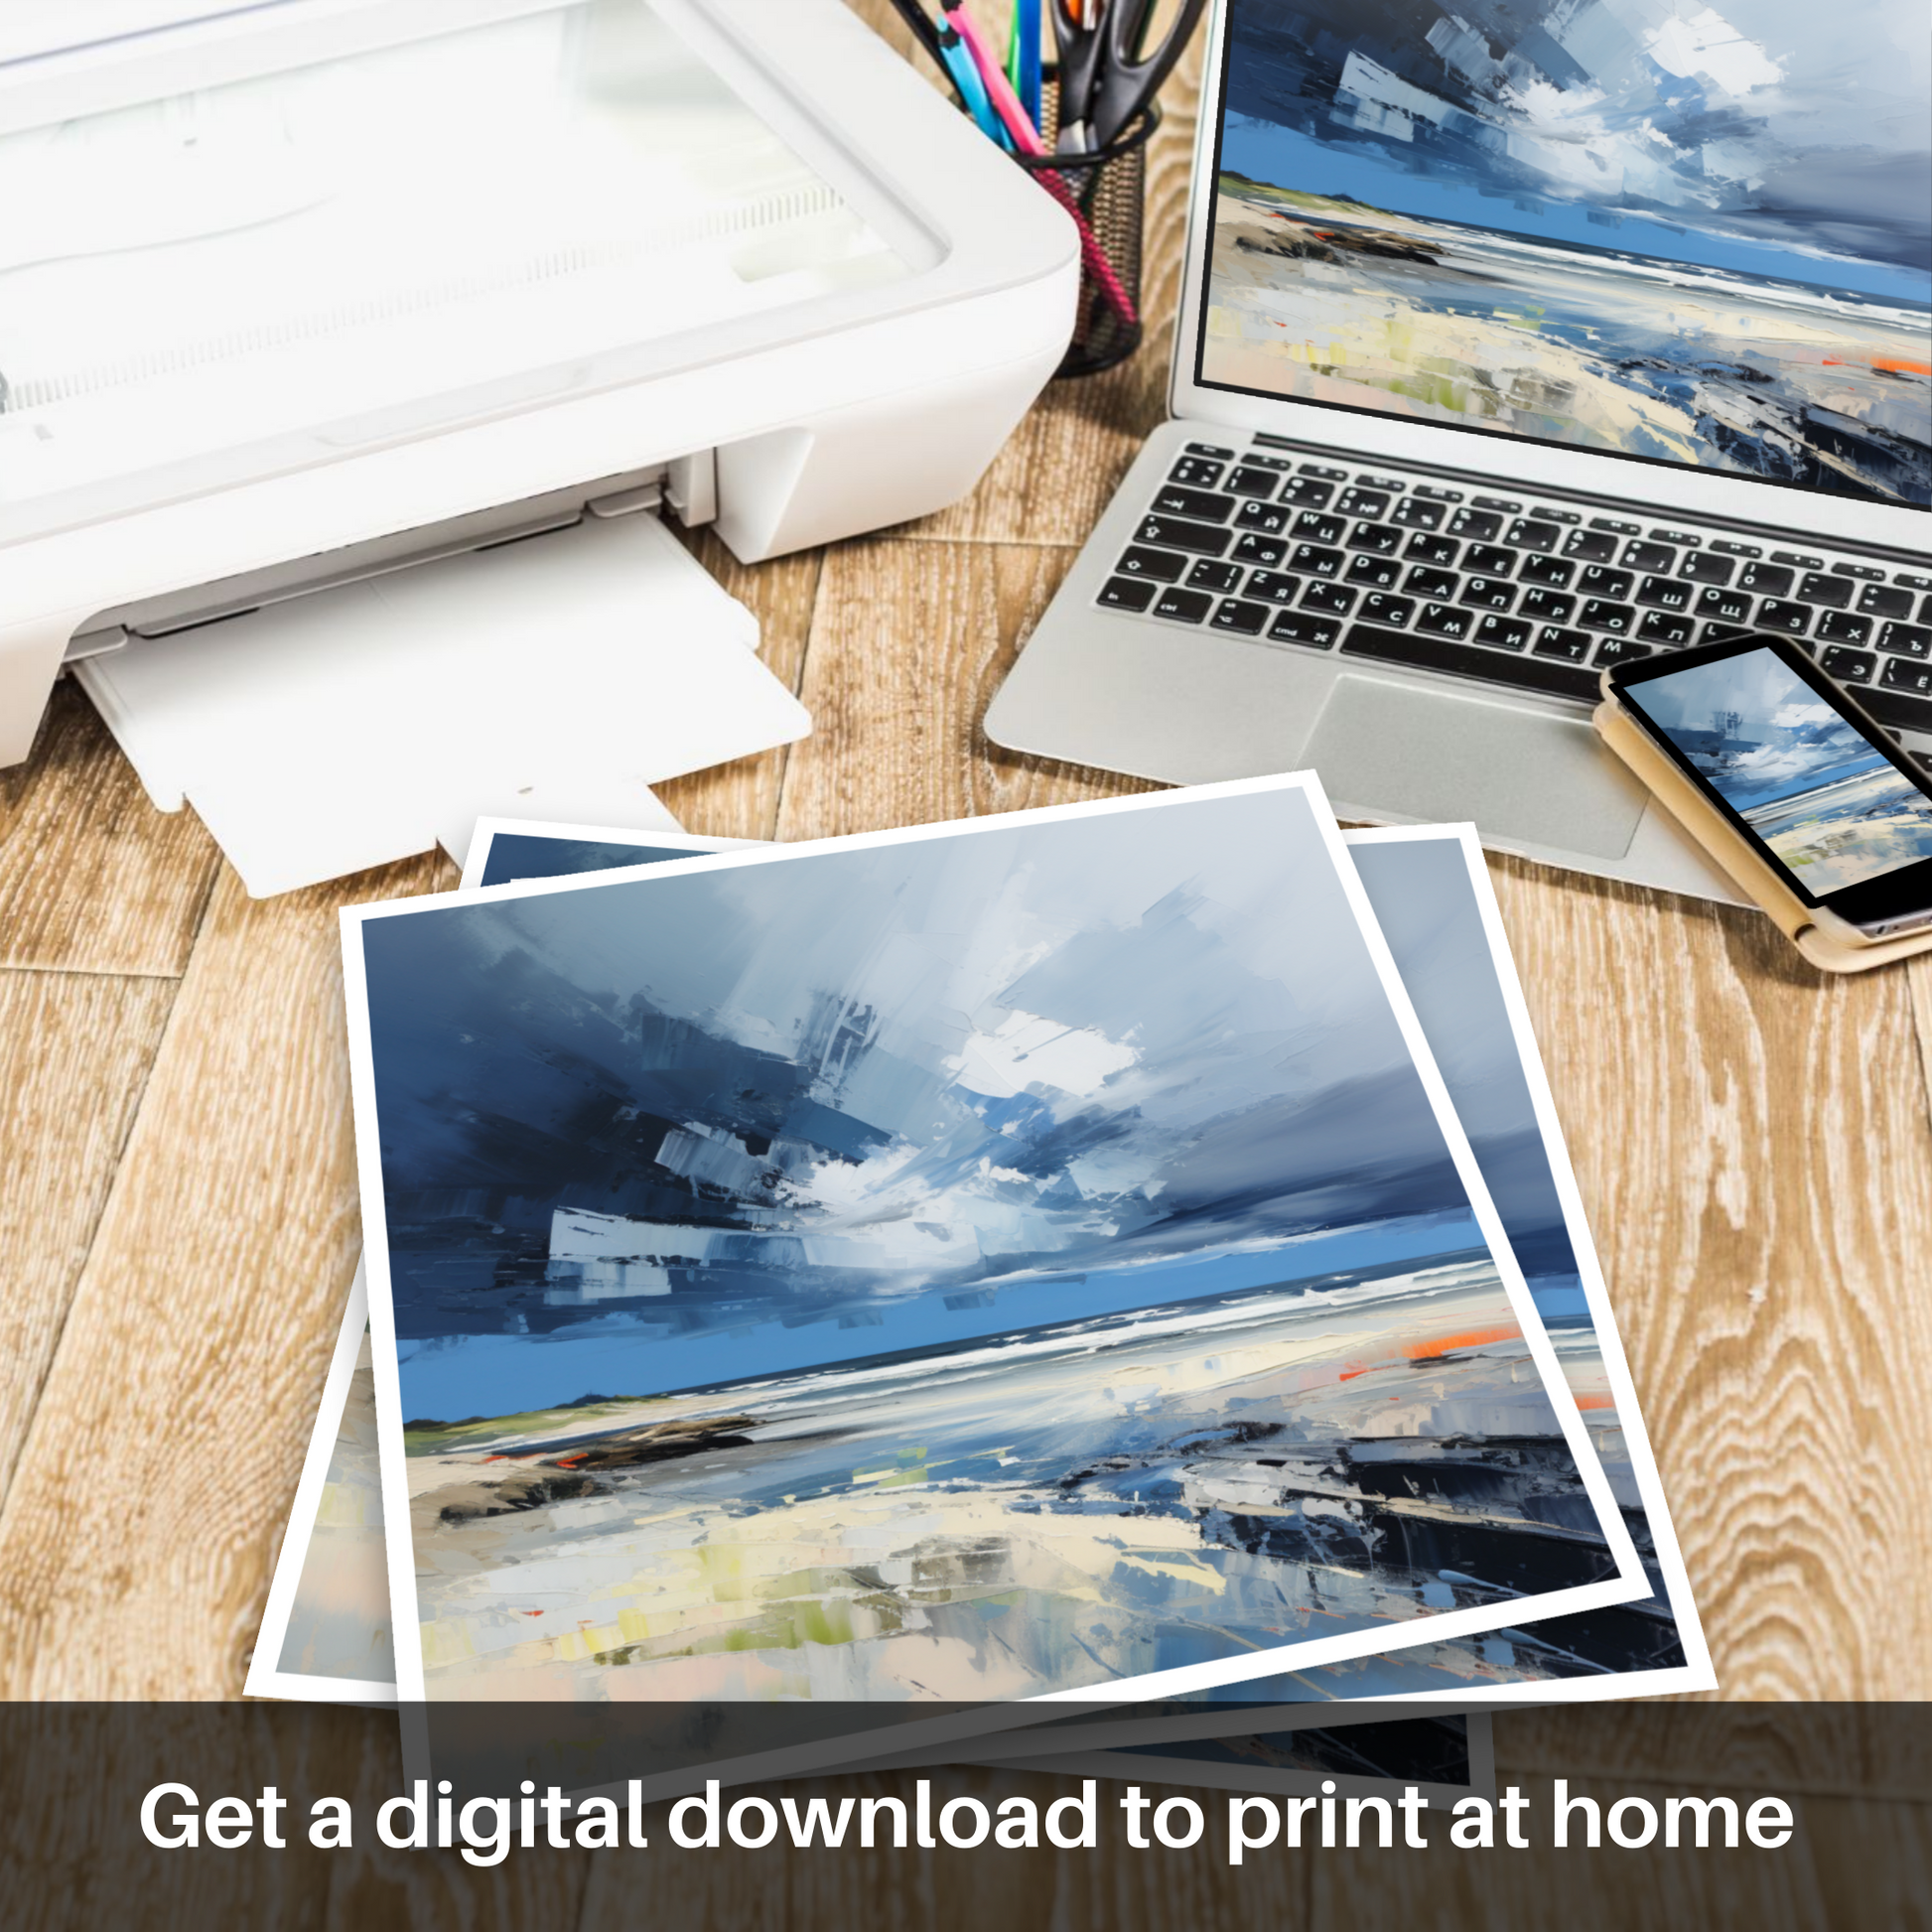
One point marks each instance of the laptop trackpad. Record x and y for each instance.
(1385, 747)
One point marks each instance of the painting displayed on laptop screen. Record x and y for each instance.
(1658, 229)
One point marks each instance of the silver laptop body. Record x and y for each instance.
(1308, 565)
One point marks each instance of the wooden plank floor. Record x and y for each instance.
(1753, 1143)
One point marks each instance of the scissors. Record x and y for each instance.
(1107, 76)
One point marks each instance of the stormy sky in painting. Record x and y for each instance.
(884, 1100)
(1772, 136)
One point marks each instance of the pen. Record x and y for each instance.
(1026, 138)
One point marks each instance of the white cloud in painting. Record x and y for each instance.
(1026, 1051)
(1707, 45)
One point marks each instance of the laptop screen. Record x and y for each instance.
(1644, 227)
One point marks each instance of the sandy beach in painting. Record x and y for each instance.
(1490, 331)
(1087, 1501)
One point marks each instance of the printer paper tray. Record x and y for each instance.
(557, 677)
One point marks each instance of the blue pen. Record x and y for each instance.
(1025, 82)
(972, 89)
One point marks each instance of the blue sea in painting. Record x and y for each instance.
(1664, 231)
(968, 1266)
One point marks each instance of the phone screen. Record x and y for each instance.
(1768, 738)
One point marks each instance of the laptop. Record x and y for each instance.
(1515, 341)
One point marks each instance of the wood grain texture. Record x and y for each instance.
(1752, 1147)
(909, 645)
(75, 1054)
(154, 1482)
(92, 879)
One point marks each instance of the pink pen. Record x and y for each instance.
(1025, 137)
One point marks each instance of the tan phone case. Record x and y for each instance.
(1739, 858)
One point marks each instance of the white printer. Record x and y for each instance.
(310, 297)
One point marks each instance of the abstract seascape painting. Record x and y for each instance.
(997, 1261)
(1662, 229)
(1803, 777)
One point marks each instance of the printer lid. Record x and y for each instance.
(241, 238)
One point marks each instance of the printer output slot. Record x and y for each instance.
(688, 484)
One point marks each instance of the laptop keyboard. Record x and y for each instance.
(1530, 594)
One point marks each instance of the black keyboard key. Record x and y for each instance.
(1161, 565)
(1847, 666)
(1702, 568)
(1925, 611)
(1313, 561)
(1312, 527)
(1797, 559)
(1127, 592)
(1297, 627)
(1876, 601)
(1546, 607)
(1598, 582)
(1897, 709)
(1383, 538)
(1439, 653)
(1196, 472)
(1620, 650)
(1237, 614)
(1171, 500)
(1184, 607)
(1664, 593)
(1731, 549)
(1508, 505)
(1356, 502)
(1723, 607)
(1482, 525)
(1590, 546)
(1307, 493)
(1488, 595)
(1489, 560)
(1247, 481)
(1175, 533)
(1616, 528)
(1252, 548)
(1331, 598)
(1417, 513)
(1271, 519)
(1379, 573)
(1841, 627)
(1602, 615)
(1210, 575)
(1324, 470)
(1279, 464)
(1649, 556)
(1571, 646)
(1432, 550)
(1502, 634)
(1661, 627)
(1210, 449)
(1276, 585)
(1833, 593)
(1445, 621)
(1432, 583)
(1907, 640)
(1780, 614)
(1903, 675)
(1767, 580)
(1553, 571)
(1911, 580)
(1527, 533)
(1378, 609)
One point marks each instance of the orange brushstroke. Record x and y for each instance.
(1595, 1402)
(1892, 364)
(1428, 1351)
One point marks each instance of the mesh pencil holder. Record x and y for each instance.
(1106, 192)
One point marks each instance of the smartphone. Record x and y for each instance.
(1783, 755)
